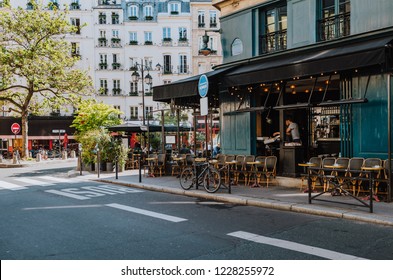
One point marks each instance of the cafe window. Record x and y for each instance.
(334, 19)
(274, 32)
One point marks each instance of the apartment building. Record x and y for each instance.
(121, 39)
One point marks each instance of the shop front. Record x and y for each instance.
(49, 133)
(336, 92)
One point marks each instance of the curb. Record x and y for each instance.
(266, 203)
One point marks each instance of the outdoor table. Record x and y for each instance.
(200, 159)
(214, 162)
(254, 170)
(305, 166)
(151, 163)
(373, 170)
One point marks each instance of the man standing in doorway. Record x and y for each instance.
(292, 130)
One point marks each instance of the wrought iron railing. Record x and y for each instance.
(334, 27)
(274, 41)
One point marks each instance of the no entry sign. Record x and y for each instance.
(15, 128)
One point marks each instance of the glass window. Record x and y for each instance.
(116, 83)
(174, 8)
(133, 11)
(75, 49)
(166, 32)
(274, 36)
(148, 11)
(213, 18)
(133, 36)
(183, 67)
(103, 58)
(167, 64)
(201, 18)
(182, 33)
(334, 19)
(77, 23)
(115, 33)
(133, 112)
(148, 37)
(102, 18)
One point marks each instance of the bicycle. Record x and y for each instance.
(209, 177)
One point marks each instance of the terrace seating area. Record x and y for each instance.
(352, 174)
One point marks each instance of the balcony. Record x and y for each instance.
(133, 93)
(334, 27)
(148, 43)
(167, 41)
(213, 24)
(103, 91)
(133, 42)
(273, 42)
(115, 65)
(116, 91)
(174, 12)
(75, 6)
(149, 93)
(133, 18)
(103, 65)
(115, 40)
(148, 18)
(201, 24)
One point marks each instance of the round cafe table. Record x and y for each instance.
(305, 166)
(254, 170)
(151, 162)
(373, 170)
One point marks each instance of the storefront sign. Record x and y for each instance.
(203, 86)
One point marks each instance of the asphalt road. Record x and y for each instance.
(47, 215)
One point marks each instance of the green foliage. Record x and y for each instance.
(92, 115)
(36, 65)
(90, 123)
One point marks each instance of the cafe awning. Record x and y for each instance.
(340, 55)
(188, 88)
(132, 127)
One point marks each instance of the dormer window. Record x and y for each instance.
(174, 8)
(148, 12)
(133, 12)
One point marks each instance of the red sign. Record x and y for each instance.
(15, 128)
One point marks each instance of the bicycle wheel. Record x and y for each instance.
(212, 180)
(187, 178)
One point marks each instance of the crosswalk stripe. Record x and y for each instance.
(147, 213)
(311, 250)
(10, 186)
(79, 197)
(59, 179)
(33, 182)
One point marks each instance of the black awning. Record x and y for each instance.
(339, 56)
(187, 87)
(131, 127)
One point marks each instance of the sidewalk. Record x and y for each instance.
(286, 196)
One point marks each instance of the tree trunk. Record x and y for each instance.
(25, 130)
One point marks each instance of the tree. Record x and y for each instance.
(37, 70)
(91, 115)
(90, 124)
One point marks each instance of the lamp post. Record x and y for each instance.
(135, 77)
(205, 40)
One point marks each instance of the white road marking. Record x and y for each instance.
(311, 250)
(146, 212)
(189, 202)
(33, 182)
(65, 207)
(59, 179)
(10, 186)
(68, 194)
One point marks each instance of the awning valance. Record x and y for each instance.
(187, 87)
(303, 62)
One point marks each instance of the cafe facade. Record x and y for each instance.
(325, 64)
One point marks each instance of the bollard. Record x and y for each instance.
(64, 155)
(73, 154)
(38, 157)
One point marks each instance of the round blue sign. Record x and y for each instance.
(203, 86)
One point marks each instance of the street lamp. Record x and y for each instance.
(135, 77)
(205, 40)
